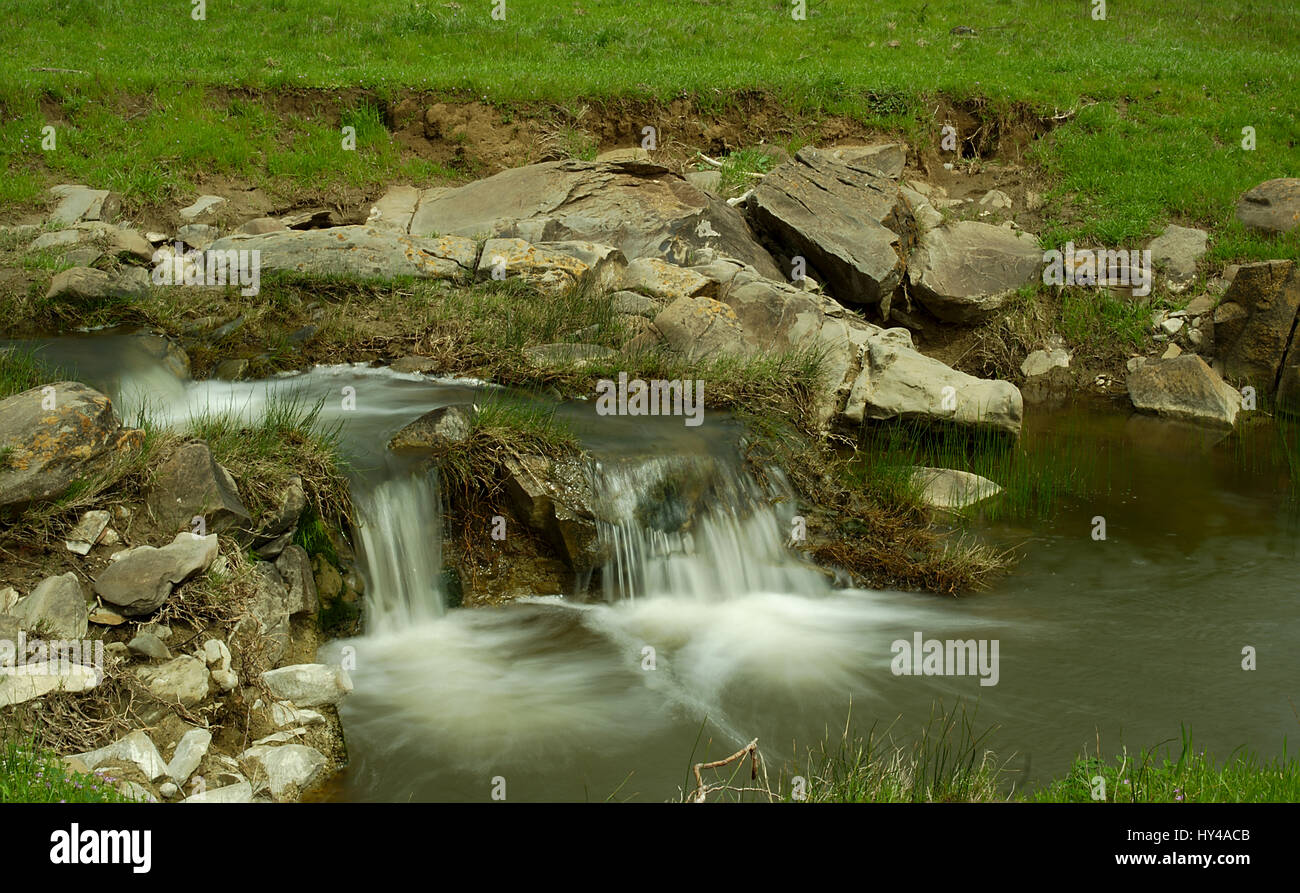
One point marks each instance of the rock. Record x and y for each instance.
(887, 159)
(1199, 306)
(62, 239)
(640, 208)
(963, 271)
(329, 582)
(136, 749)
(1040, 362)
(395, 209)
(8, 598)
(847, 220)
(550, 272)
(201, 207)
(1176, 251)
(1171, 326)
(996, 200)
(293, 502)
(308, 685)
(9, 629)
(188, 484)
(415, 364)
(283, 713)
(189, 753)
(709, 181)
(270, 550)
(361, 251)
(436, 430)
(543, 356)
(182, 680)
(216, 654)
(241, 792)
(1269, 293)
(262, 225)
(1173, 350)
(1184, 388)
(701, 327)
(605, 263)
(37, 679)
(662, 280)
(948, 488)
(287, 770)
(81, 203)
(629, 302)
(294, 567)
(141, 581)
(57, 605)
(1272, 207)
(150, 646)
(90, 285)
(169, 791)
(266, 627)
(87, 532)
(198, 235)
(898, 383)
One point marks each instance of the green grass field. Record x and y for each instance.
(145, 99)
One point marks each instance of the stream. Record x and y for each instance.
(1125, 639)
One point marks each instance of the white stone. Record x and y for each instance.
(190, 751)
(308, 685)
(241, 792)
(136, 748)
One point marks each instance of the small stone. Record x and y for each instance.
(204, 204)
(87, 532)
(150, 646)
(1172, 326)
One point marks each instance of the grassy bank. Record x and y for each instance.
(30, 774)
(1145, 108)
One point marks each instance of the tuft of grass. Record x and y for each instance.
(32, 774)
(948, 762)
(739, 170)
(1187, 776)
(21, 370)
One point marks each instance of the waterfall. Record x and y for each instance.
(697, 528)
(399, 540)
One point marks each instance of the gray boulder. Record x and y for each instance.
(188, 484)
(1272, 207)
(845, 219)
(286, 770)
(57, 604)
(141, 580)
(182, 680)
(308, 685)
(964, 271)
(435, 431)
(1176, 251)
(1184, 388)
(1269, 295)
(78, 203)
(640, 208)
(53, 435)
(294, 567)
(361, 251)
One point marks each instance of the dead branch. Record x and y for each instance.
(702, 791)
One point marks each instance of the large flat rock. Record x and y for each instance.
(964, 271)
(367, 252)
(1184, 388)
(844, 217)
(640, 208)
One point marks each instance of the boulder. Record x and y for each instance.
(886, 159)
(701, 327)
(57, 605)
(265, 627)
(189, 753)
(361, 251)
(286, 770)
(139, 582)
(1269, 294)
(182, 680)
(948, 488)
(293, 502)
(1184, 388)
(436, 430)
(632, 304)
(898, 383)
(294, 567)
(89, 284)
(640, 208)
(1176, 251)
(136, 749)
(53, 435)
(664, 281)
(964, 271)
(1040, 362)
(308, 685)
(37, 679)
(203, 206)
(1272, 207)
(188, 484)
(551, 272)
(82, 203)
(554, 498)
(845, 219)
(149, 645)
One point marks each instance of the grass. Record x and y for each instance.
(1182, 776)
(1148, 105)
(21, 370)
(739, 167)
(31, 774)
